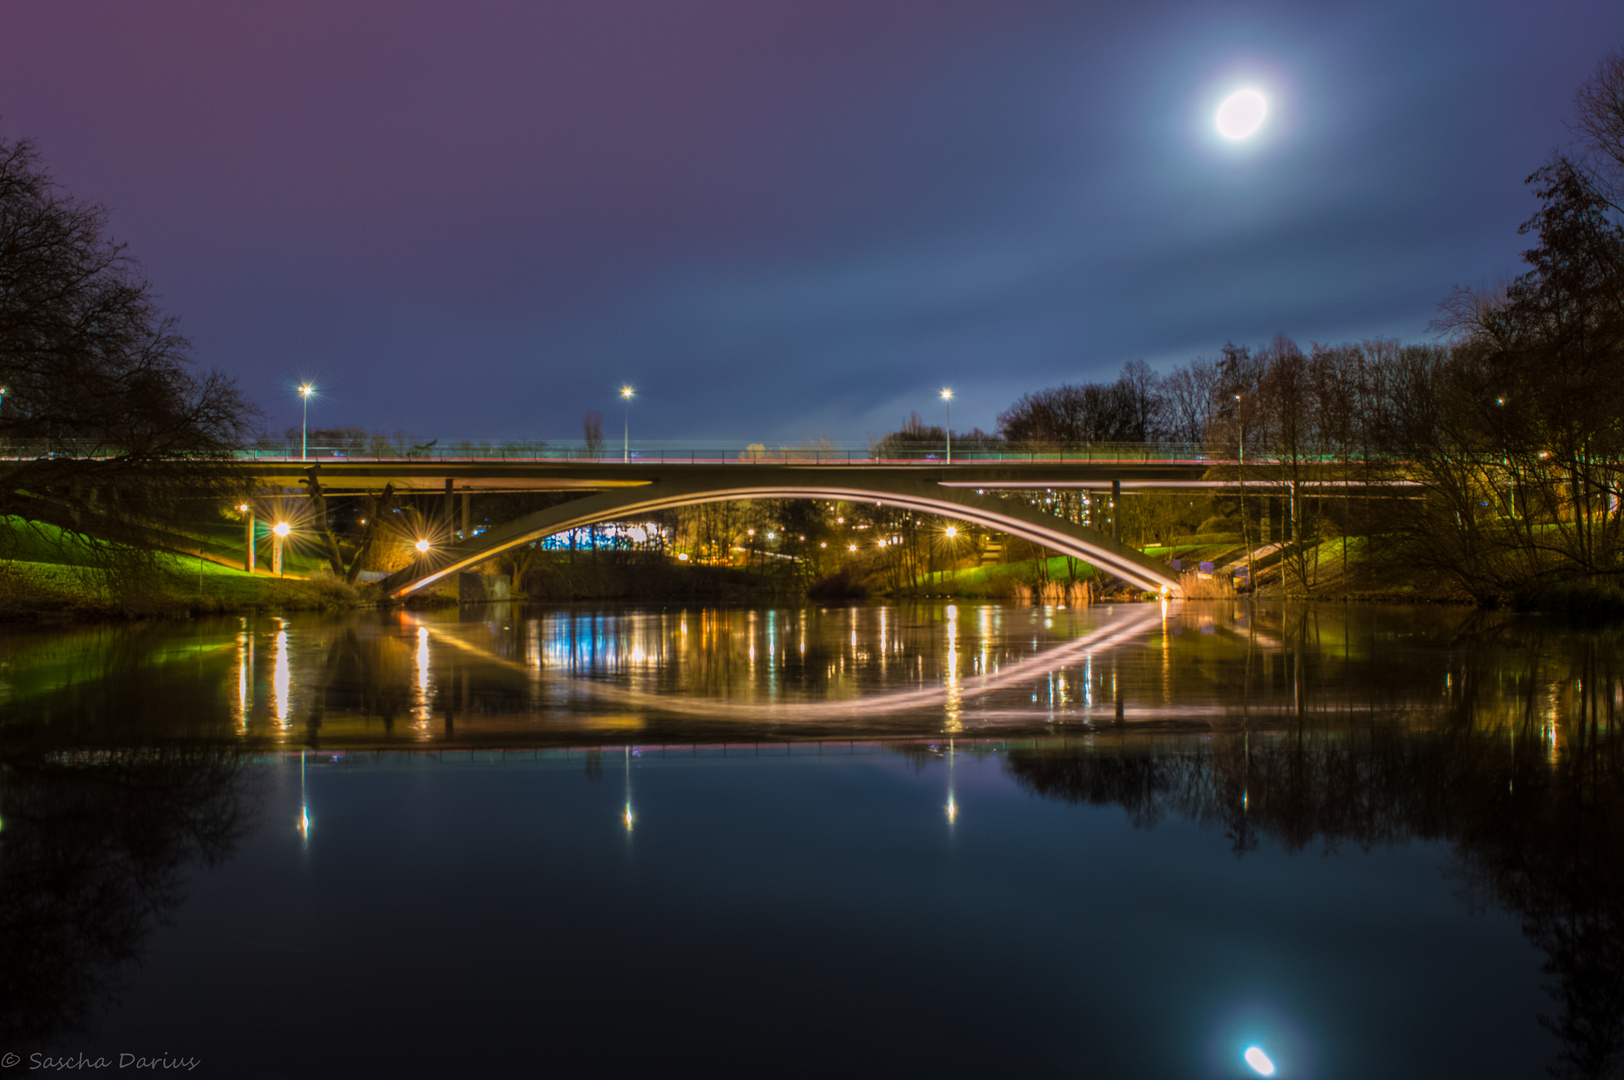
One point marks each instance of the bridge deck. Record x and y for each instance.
(497, 474)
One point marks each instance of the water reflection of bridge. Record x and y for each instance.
(717, 674)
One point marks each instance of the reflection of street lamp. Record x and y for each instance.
(626, 397)
(304, 806)
(947, 400)
(279, 533)
(628, 815)
(304, 427)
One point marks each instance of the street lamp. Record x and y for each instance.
(422, 547)
(247, 512)
(626, 449)
(947, 400)
(1240, 476)
(279, 533)
(304, 428)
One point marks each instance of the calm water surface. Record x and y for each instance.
(933, 840)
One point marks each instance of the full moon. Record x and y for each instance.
(1241, 114)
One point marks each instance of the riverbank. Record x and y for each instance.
(46, 582)
(173, 587)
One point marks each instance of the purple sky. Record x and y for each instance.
(783, 220)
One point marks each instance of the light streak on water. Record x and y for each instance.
(282, 680)
(422, 707)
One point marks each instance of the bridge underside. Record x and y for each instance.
(758, 482)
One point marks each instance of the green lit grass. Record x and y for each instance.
(44, 575)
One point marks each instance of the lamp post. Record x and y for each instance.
(947, 401)
(304, 428)
(247, 512)
(279, 533)
(1240, 476)
(626, 448)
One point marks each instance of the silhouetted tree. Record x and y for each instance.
(109, 432)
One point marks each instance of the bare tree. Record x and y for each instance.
(111, 435)
(1190, 394)
(592, 427)
(1601, 114)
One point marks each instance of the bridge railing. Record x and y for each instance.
(685, 452)
(680, 452)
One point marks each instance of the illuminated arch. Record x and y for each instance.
(758, 482)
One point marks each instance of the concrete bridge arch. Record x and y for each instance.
(765, 482)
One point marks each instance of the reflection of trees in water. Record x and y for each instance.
(1545, 839)
(143, 678)
(92, 854)
(368, 675)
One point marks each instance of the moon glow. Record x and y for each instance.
(1241, 114)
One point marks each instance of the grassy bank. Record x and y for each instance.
(44, 575)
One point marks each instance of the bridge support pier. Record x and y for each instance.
(449, 516)
(1116, 510)
(248, 541)
(467, 514)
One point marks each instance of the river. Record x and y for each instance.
(934, 839)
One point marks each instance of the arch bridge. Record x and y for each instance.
(923, 490)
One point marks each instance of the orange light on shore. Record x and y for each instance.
(421, 545)
(281, 528)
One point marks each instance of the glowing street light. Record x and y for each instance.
(947, 400)
(304, 428)
(1259, 1061)
(626, 449)
(422, 547)
(279, 533)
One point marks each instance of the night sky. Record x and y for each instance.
(783, 221)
